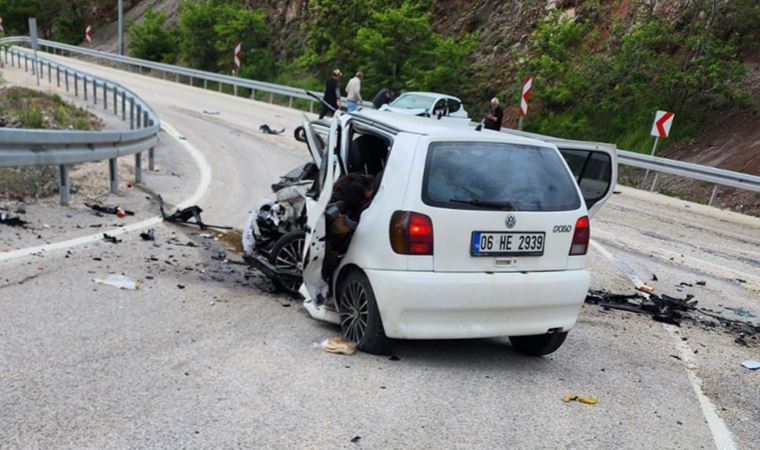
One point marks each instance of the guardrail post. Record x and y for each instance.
(64, 187)
(219, 83)
(138, 168)
(139, 116)
(145, 121)
(115, 102)
(253, 93)
(712, 196)
(151, 154)
(58, 76)
(105, 95)
(191, 81)
(123, 105)
(290, 102)
(84, 87)
(26, 63)
(176, 78)
(50, 74)
(654, 182)
(131, 113)
(311, 107)
(76, 85)
(94, 92)
(113, 175)
(271, 97)
(234, 89)
(205, 83)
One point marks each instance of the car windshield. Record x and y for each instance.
(497, 176)
(413, 101)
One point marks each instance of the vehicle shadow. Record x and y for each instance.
(462, 352)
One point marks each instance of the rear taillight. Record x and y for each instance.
(581, 237)
(411, 233)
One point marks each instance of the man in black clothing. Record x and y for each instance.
(383, 97)
(332, 93)
(494, 116)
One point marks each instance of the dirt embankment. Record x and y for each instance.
(25, 108)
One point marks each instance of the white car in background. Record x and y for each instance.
(427, 104)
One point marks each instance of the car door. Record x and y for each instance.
(313, 141)
(594, 166)
(314, 287)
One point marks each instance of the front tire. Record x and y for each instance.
(287, 254)
(538, 345)
(359, 316)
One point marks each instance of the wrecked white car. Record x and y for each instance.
(428, 104)
(456, 233)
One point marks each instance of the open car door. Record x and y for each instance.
(313, 141)
(594, 166)
(315, 288)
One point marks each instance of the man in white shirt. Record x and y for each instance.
(354, 92)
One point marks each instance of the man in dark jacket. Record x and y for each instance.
(494, 116)
(332, 93)
(383, 97)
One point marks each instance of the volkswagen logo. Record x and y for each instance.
(511, 221)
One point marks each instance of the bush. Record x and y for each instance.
(151, 39)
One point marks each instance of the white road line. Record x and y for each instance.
(720, 433)
(200, 191)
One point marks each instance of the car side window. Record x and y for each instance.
(592, 172)
(453, 105)
(440, 107)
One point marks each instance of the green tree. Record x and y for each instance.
(151, 39)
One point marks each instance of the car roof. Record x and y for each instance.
(432, 94)
(439, 129)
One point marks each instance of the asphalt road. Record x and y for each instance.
(221, 362)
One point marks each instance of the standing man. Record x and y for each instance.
(332, 93)
(354, 92)
(494, 116)
(383, 97)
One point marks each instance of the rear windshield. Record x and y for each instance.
(496, 176)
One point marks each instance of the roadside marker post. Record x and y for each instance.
(527, 84)
(663, 120)
(88, 34)
(33, 37)
(236, 62)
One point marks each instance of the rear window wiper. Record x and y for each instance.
(503, 205)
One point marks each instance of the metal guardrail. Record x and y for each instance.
(27, 147)
(718, 177)
(177, 72)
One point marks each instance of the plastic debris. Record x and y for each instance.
(356, 439)
(654, 277)
(211, 112)
(264, 128)
(751, 364)
(185, 214)
(115, 210)
(112, 239)
(338, 344)
(588, 400)
(118, 281)
(701, 283)
(148, 235)
(7, 219)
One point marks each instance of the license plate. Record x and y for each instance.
(486, 243)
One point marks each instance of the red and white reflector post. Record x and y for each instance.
(663, 120)
(524, 98)
(88, 34)
(2, 30)
(236, 55)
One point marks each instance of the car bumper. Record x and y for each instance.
(438, 305)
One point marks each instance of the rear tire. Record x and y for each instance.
(360, 319)
(300, 134)
(538, 345)
(287, 254)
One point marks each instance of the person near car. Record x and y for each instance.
(332, 93)
(383, 97)
(351, 195)
(354, 92)
(494, 115)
